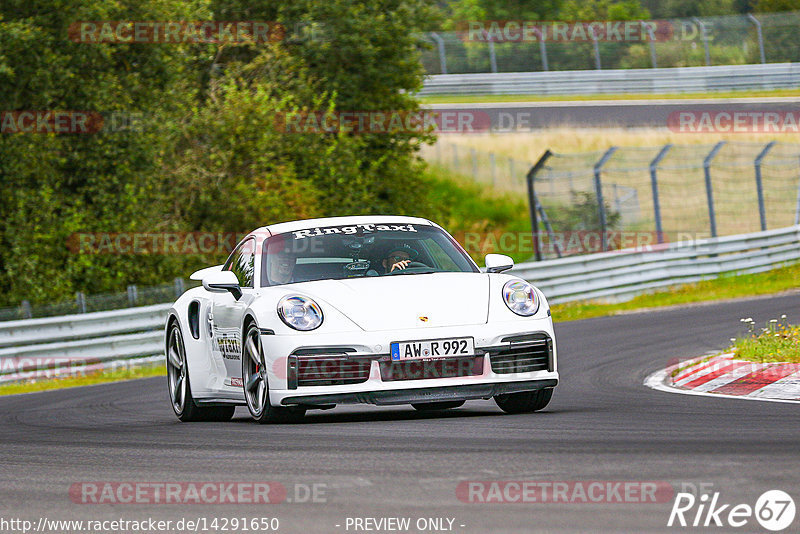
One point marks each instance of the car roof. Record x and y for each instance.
(290, 226)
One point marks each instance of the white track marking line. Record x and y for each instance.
(658, 380)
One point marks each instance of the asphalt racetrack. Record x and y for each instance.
(602, 425)
(633, 113)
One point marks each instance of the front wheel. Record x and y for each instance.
(525, 401)
(180, 390)
(255, 381)
(441, 405)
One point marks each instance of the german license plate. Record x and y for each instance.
(433, 348)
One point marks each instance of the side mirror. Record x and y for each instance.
(202, 273)
(222, 281)
(497, 263)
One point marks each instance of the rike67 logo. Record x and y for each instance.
(774, 510)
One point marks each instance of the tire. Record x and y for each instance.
(255, 383)
(434, 406)
(525, 401)
(180, 389)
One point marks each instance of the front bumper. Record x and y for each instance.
(407, 396)
(485, 376)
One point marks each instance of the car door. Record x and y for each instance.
(228, 313)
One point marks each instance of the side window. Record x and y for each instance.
(242, 263)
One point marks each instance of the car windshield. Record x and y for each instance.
(360, 250)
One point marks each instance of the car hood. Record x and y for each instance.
(407, 300)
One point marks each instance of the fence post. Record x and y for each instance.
(548, 227)
(542, 49)
(529, 179)
(705, 39)
(511, 170)
(179, 287)
(474, 164)
(760, 37)
(597, 64)
(797, 209)
(652, 40)
(712, 219)
(440, 46)
(598, 188)
(762, 213)
(654, 187)
(132, 295)
(492, 168)
(455, 158)
(492, 56)
(80, 300)
(27, 312)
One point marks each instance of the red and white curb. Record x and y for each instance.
(724, 376)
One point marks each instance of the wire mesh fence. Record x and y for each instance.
(82, 303)
(721, 40)
(661, 194)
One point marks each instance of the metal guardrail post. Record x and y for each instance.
(652, 40)
(654, 187)
(760, 36)
(762, 213)
(180, 287)
(27, 312)
(542, 49)
(529, 179)
(598, 188)
(704, 35)
(712, 219)
(80, 300)
(597, 64)
(440, 45)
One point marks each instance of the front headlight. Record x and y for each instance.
(520, 297)
(300, 313)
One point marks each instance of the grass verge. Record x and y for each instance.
(99, 377)
(724, 287)
(778, 341)
(476, 99)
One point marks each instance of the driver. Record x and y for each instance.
(399, 257)
(280, 266)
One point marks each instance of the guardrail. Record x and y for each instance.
(622, 274)
(655, 81)
(98, 340)
(101, 338)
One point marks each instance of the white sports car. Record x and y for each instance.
(375, 309)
